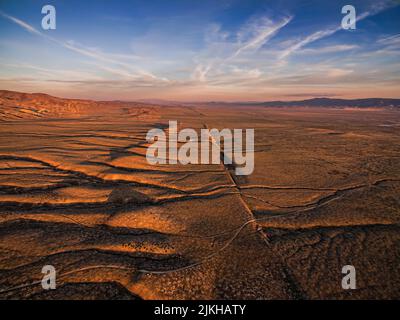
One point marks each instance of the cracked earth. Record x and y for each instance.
(76, 192)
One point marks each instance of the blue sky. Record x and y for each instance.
(194, 50)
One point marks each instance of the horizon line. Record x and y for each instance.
(152, 101)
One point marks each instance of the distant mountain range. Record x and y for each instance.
(45, 101)
(320, 102)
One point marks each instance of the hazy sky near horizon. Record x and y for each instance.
(195, 50)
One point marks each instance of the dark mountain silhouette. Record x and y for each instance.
(45, 101)
(320, 102)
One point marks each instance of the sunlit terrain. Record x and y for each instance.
(76, 192)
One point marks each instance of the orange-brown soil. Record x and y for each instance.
(76, 192)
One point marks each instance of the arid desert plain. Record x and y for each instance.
(77, 193)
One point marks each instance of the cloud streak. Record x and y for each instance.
(99, 57)
(21, 23)
(375, 9)
(262, 30)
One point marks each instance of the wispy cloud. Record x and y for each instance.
(329, 49)
(68, 45)
(307, 40)
(21, 23)
(223, 48)
(122, 69)
(391, 42)
(41, 72)
(258, 32)
(375, 9)
(200, 72)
